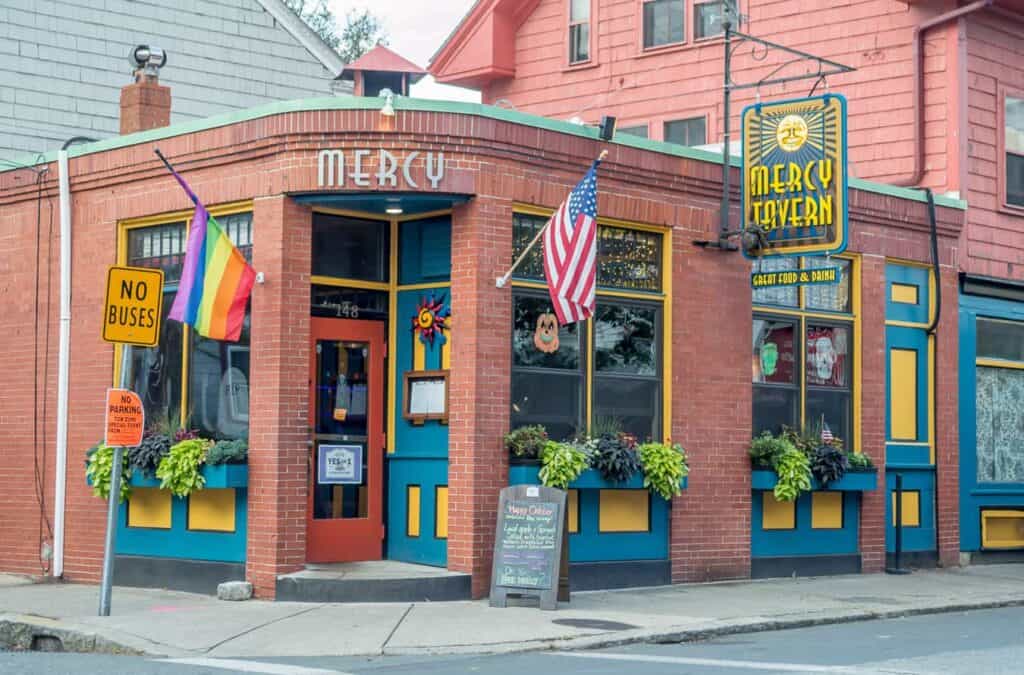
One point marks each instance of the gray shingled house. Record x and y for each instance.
(63, 62)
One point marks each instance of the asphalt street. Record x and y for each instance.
(969, 643)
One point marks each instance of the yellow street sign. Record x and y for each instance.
(131, 314)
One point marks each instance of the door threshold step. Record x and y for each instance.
(373, 581)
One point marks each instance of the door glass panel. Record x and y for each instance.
(342, 396)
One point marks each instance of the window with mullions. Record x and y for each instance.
(664, 22)
(802, 357)
(999, 379)
(579, 31)
(627, 260)
(218, 389)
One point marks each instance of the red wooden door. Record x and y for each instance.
(345, 507)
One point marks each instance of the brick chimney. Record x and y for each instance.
(145, 103)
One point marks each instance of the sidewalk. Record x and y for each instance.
(181, 624)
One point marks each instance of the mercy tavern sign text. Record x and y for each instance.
(334, 167)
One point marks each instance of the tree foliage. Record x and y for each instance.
(362, 31)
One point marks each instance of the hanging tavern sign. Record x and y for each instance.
(794, 174)
(379, 168)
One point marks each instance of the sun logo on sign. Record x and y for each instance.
(431, 320)
(791, 133)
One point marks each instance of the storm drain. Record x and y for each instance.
(593, 624)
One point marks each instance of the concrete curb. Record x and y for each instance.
(27, 633)
(679, 634)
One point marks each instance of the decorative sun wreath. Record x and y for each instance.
(431, 319)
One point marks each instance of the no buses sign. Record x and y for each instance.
(131, 314)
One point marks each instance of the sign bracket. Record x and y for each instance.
(733, 41)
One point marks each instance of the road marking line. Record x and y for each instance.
(252, 666)
(723, 663)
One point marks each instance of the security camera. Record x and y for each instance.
(753, 240)
(148, 59)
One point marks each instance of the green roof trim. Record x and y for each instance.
(430, 105)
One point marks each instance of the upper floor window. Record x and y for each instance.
(707, 19)
(664, 22)
(692, 131)
(639, 130)
(1014, 147)
(579, 31)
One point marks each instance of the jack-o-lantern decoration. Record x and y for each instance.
(545, 338)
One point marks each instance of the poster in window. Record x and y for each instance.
(340, 464)
(774, 354)
(826, 356)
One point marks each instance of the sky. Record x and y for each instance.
(416, 29)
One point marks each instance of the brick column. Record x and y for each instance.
(874, 362)
(947, 474)
(279, 393)
(479, 384)
(711, 411)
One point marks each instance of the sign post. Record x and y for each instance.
(131, 316)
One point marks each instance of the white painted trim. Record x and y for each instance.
(251, 666)
(306, 36)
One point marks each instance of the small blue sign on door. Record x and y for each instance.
(340, 464)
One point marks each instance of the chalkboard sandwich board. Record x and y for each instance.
(528, 544)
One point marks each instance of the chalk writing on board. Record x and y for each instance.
(529, 541)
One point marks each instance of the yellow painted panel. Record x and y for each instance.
(777, 515)
(911, 508)
(623, 511)
(903, 394)
(827, 510)
(441, 512)
(574, 511)
(150, 507)
(419, 354)
(446, 348)
(212, 510)
(412, 511)
(1002, 529)
(904, 293)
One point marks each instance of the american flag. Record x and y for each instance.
(826, 433)
(570, 251)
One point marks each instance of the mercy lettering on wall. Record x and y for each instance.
(357, 168)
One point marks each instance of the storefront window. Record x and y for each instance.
(1000, 390)
(626, 259)
(551, 366)
(800, 352)
(350, 248)
(338, 302)
(217, 381)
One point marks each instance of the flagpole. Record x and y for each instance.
(195, 200)
(501, 281)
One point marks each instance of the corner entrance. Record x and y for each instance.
(344, 514)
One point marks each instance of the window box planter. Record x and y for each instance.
(853, 481)
(217, 476)
(526, 474)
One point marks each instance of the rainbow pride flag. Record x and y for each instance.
(216, 280)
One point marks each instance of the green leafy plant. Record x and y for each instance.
(615, 457)
(829, 464)
(526, 442)
(664, 466)
(228, 452)
(766, 449)
(98, 468)
(794, 471)
(562, 463)
(859, 460)
(808, 440)
(146, 456)
(179, 469)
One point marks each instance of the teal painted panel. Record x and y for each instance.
(591, 545)
(915, 339)
(179, 541)
(921, 538)
(974, 494)
(803, 539)
(429, 439)
(911, 276)
(853, 481)
(425, 250)
(426, 549)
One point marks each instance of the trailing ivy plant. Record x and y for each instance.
(526, 442)
(228, 452)
(99, 466)
(562, 463)
(179, 469)
(829, 464)
(766, 449)
(664, 466)
(146, 456)
(794, 471)
(615, 457)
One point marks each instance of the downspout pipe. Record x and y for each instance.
(63, 363)
(918, 44)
